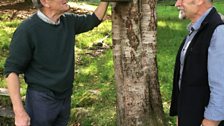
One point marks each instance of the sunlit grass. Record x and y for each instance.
(86, 40)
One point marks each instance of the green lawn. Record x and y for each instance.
(94, 97)
(170, 33)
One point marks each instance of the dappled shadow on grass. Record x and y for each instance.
(95, 91)
(170, 34)
(94, 94)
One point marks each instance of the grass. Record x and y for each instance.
(94, 80)
(6, 30)
(170, 33)
(94, 96)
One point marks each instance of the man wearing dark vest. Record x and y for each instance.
(198, 83)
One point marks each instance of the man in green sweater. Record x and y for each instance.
(42, 48)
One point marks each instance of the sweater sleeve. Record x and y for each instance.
(20, 53)
(83, 23)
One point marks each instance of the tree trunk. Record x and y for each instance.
(134, 46)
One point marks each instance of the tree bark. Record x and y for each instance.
(134, 46)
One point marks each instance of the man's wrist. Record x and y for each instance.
(207, 122)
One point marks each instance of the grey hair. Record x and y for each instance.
(37, 4)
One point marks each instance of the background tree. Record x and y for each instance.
(134, 46)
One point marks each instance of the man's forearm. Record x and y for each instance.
(101, 10)
(21, 116)
(13, 85)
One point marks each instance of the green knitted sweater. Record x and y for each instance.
(44, 53)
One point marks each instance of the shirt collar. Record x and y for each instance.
(43, 17)
(194, 27)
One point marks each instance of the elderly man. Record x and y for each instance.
(198, 84)
(42, 48)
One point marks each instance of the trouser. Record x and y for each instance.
(45, 109)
